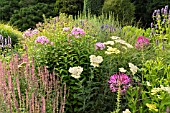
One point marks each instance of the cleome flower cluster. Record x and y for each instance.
(119, 80)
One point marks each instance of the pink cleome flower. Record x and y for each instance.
(141, 42)
(42, 40)
(119, 79)
(100, 46)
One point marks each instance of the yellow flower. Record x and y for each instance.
(133, 68)
(76, 71)
(95, 60)
(126, 111)
(152, 107)
(111, 50)
(122, 70)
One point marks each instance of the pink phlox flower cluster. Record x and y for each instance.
(76, 32)
(141, 42)
(66, 29)
(30, 33)
(119, 79)
(42, 40)
(99, 45)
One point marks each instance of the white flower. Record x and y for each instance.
(155, 90)
(148, 83)
(124, 43)
(95, 60)
(133, 68)
(166, 88)
(122, 70)
(115, 37)
(111, 50)
(126, 111)
(76, 71)
(109, 43)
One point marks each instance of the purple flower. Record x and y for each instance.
(100, 46)
(42, 40)
(119, 80)
(141, 42)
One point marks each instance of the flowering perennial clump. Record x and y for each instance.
(99, 45)
(95, 60)
(119, 80)
(30, 33)
(141, 42)
(42, 40)
(76, 71)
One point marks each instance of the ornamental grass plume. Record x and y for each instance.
(119, 80)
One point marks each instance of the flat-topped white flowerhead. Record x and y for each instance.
(95, 60)
(126, 111)
(133, 68)
(111, 50)
(122, 70)
(114, 37)
(76, 71)
(109, 43)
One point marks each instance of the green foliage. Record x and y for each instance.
(94, 6)
(7, 8)
(70, 7)
(123, 9)
(7, 30)
(29, 16)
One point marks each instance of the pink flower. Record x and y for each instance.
(42, 40)
(30, 33)
(119, 79)
(141, 42)
(100, 46)
(66, 28)
(77, 31)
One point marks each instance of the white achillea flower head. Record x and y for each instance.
(114, 37)
(109, 43)
(133, 68)
(95, 60)
(126, 111)
(122, 70)
(76, 71)
(111, 50)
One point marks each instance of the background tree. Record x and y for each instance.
(123, 9)
(71, 7)
(27, 17)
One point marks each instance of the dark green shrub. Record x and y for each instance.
(27, 17)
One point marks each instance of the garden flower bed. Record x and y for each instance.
(86, 65)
